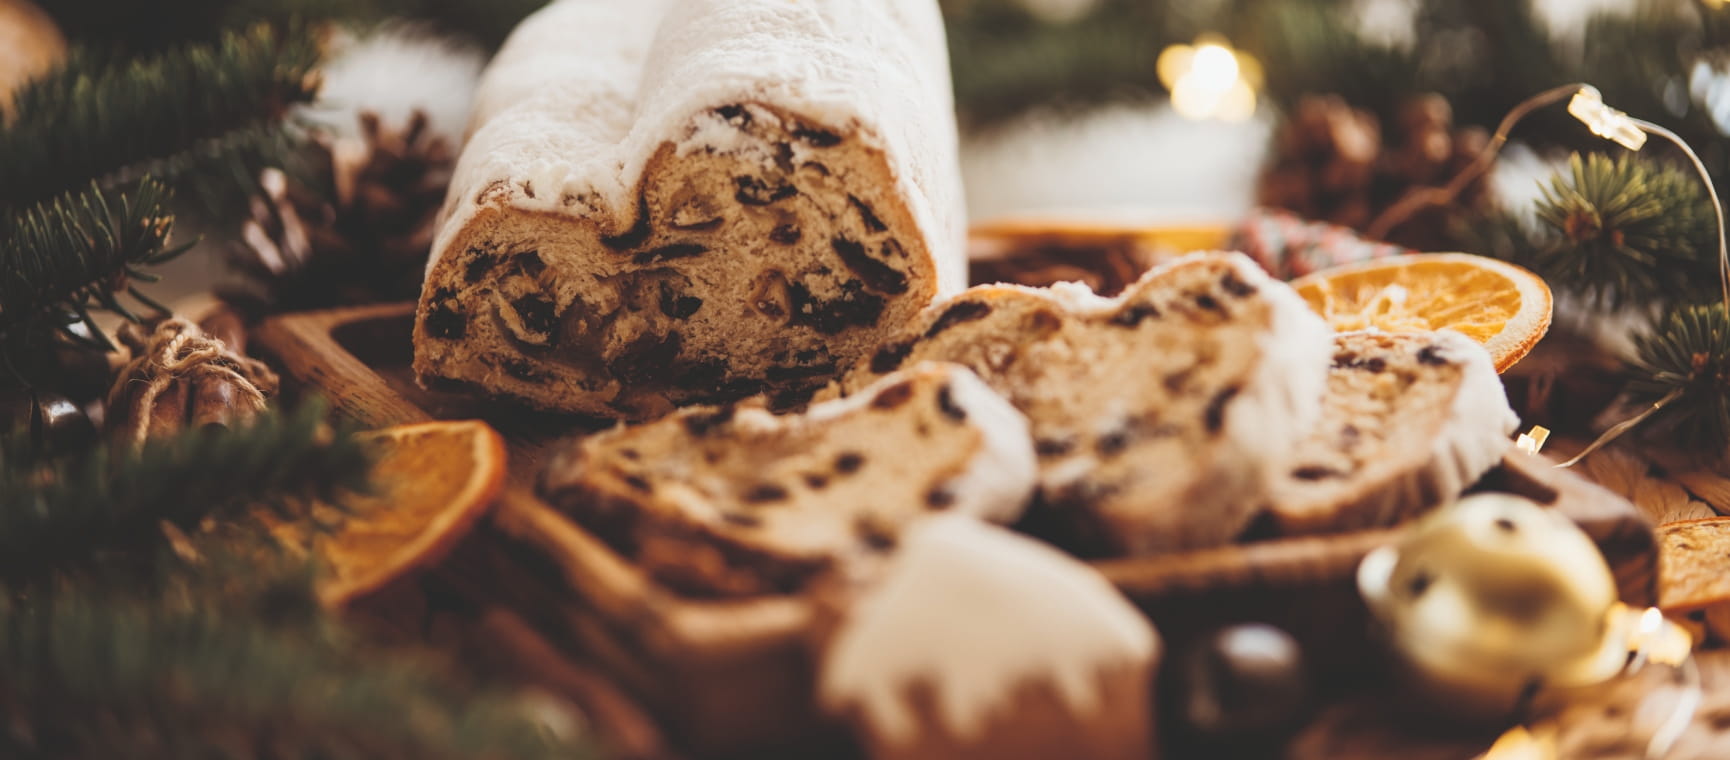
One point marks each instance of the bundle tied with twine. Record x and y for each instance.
(181, 376)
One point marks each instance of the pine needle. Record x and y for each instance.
(193, 110)
(1689, 350)
(1628, 231)
(70, 514)
(84, 674)
(75, 253)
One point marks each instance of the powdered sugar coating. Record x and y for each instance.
(566, 125)
(1279, 405)
(1480, 420)
(973, 612)
(997, 484)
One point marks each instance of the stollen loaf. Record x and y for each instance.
(665, 202)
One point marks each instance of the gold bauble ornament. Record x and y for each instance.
(1496, 602)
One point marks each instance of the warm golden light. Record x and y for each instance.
(1657, 639)
(1209, 80)
(1521, 744)
(1604, 121)
(1532, 441)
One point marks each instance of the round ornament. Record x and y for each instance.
(1495, 602)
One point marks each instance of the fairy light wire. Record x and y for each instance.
(1587, 105)
(1604, 121)
(1687, 704)
(1711, 192)
(1419, 200)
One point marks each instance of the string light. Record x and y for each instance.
(1210, 80)
(1650, 638)
(1609, 123)
(1533, 441)
(1586, 104)
(1606, 122)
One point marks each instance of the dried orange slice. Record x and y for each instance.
(431, 482)
(1500, 305)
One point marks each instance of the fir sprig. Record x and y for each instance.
(87, 675)
(181, 112)
(1687, 354)
(112, 502)
(1628, 231)
(70, 255)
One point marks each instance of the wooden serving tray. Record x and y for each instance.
(735, 676)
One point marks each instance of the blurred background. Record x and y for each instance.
(1148, 111)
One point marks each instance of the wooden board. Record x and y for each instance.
(735, 676)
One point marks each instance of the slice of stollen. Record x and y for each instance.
(1408, 422)
(1157, 414)
(674, 201)
(734, 500)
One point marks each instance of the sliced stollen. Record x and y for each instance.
(977, 642)
(735, 500)
(1156, 414)
(673, 201)
(1408, 422)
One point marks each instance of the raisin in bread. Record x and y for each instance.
(1408, 422)
(1156, 414)
(976, 642)
(672, 201)
(734, 500)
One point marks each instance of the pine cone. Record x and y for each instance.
(356, 229)
(182, 377)
(1332, 164)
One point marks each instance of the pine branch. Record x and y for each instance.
(194, 110)
(1689, 353)
(1305, 49)
(112, 502)
(1627, 231)
(84, 675)
(70, 255)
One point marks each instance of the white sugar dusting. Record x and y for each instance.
(974, 612)
(585, 91)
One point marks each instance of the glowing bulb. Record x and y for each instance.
(1604, 121)
(1213, 67)
(1533, 441)
(1650, 621)
(1209, 80)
